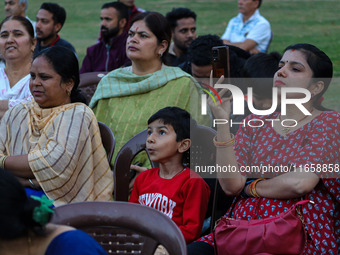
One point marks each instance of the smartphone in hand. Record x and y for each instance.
(220, 61)
(221, 64)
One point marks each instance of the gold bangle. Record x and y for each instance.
(252, 187)
(2, 161)
(225, 143)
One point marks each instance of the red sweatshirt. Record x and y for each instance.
(184, 198)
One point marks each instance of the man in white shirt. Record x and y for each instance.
(248, 30)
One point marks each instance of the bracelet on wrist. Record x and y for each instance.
(252, 187)
(2, 161)
(227, 143)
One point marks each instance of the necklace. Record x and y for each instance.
(179, 172)
(286, 129)
(175, 174)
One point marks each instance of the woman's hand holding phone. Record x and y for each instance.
(220, 111)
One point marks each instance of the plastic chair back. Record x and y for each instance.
(123, 228)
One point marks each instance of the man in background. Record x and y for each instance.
(199, 63)
(133, 10)
(50, 20)
(109, 53)
(17, 8)
(183, 25)
(200, 57)
(248, 30)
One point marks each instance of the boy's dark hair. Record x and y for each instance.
(122, 9)
(59, 13)
(262, 65)
(179, 13)
(200, 49)
(180, 120)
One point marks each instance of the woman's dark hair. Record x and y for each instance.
(181, 122)
(16, 210)
(25, 22)
(158, 25)
(65, 63)
(321, 65)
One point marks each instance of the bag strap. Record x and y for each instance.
(299, 211)
(303, 202)
(213, 213)
(213, 216)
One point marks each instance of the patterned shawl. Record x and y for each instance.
(64, 148)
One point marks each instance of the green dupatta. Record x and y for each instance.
(125, 101)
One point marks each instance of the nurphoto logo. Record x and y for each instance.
(238, 100)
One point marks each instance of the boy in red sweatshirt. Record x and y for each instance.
(172, 188)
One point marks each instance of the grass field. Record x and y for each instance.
(292, 21)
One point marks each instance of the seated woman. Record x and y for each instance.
(17, 44)
(25, 227)
(314, 140)
(54, 139)
(126, 97)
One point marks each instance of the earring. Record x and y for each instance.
(161, 54)
(312, 95)
(68, 93)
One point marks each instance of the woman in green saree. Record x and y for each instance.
(126, 97)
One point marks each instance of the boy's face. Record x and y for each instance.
(161, 143)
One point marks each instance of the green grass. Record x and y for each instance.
(292, 21)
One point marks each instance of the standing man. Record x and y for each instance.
(133, 11)
(248, 30)
(50, 19)
(109, 53)
(17, 8)
(183, 25)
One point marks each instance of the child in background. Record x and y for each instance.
(172, 188)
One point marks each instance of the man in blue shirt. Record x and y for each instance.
(248, 30)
